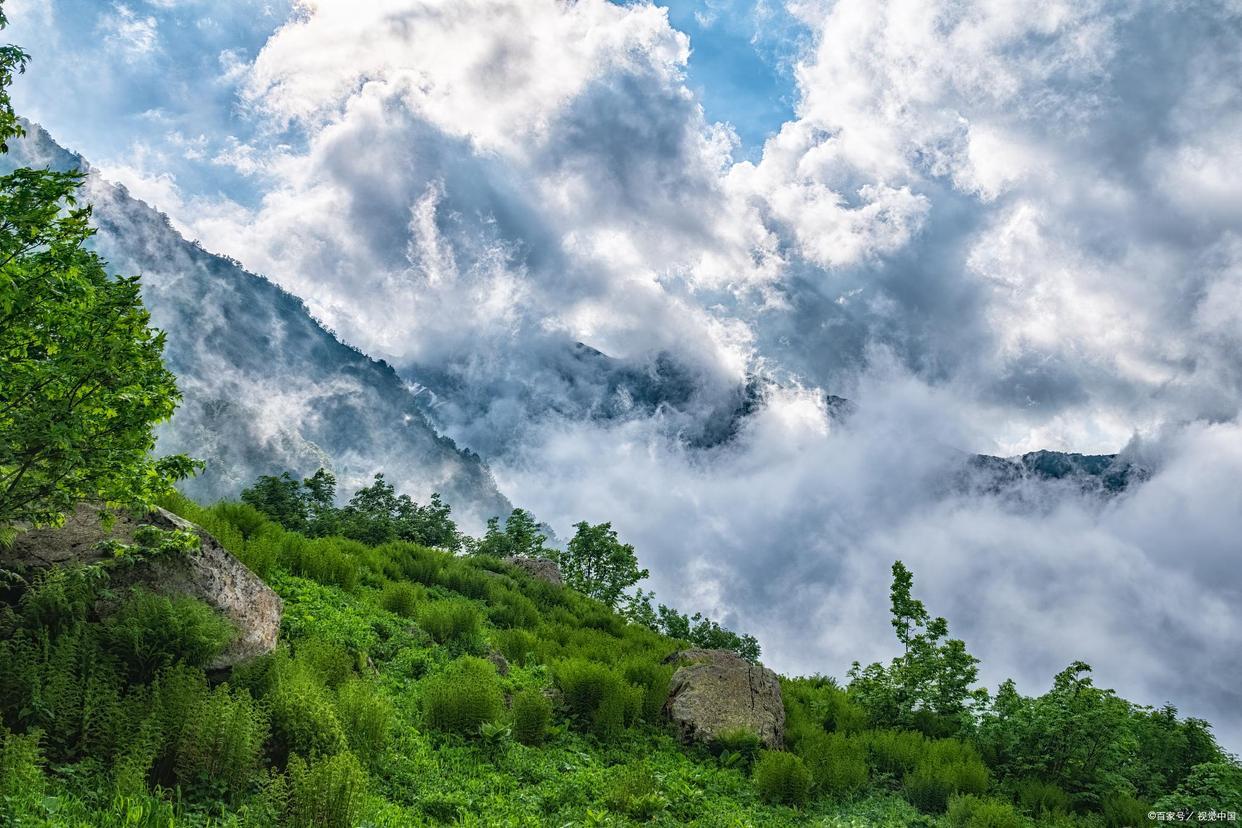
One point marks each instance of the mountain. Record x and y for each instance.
(266, 387)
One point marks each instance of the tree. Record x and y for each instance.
(280, 498)
(323, 518)
(929, 686)
(596, 563)
(521, 537)
(82, 378)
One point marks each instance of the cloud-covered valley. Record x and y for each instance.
(994, 227)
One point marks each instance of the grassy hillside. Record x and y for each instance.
(384, 706)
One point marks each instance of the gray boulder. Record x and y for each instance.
(210, 573)
(715, 691)
(541, 568)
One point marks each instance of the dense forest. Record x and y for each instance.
(422, 676)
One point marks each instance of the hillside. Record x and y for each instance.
(414, 687)
(266, 388)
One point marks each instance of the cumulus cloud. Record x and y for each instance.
(998, 227)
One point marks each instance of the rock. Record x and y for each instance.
(502, 663)
(210, 573)
(714, 691)
(541, 568)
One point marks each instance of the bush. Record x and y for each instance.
(782, 778)
(635, 792)
(983, 812)
(1124, 811)
(515, 645)
(737, 746)
(838, 763)
(597, 696)
(463, 697)
(328, 793)
(150, 632)
(653, 678)
(243, 517)
(451, 621)
(21, 776)
(366, 715)
(304, 720)
(330, 662)
(948, 767)
(1037, 797)
(895, 751)
(402, 598)
(221, 743)
(532, 712)
(511, 610)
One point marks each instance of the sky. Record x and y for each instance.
(996, 226)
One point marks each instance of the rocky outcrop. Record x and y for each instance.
(541, 568)
(209, 573)
(715, 691)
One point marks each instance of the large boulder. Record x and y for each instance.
(715, 691)
(541, 568)
(209, 573)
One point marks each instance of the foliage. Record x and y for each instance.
(970, 811)
(84, 380)
(635, 792)
(463, 697)
(356, 686)
(532, 712)
(402, 598)
(150, 632)
(325, 793)
(597, 564)
(451, 621)
(927, 687)
(782, 778)
(521, 536)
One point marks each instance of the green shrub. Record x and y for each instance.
(782, 778)
(221, 742)
(463, 697)
(983, 812)
(511, 610)
(948, 767)
(1124, 811)
(597, 696)
(467, 581)
(327, 793)
(326, 560)
(366, 715)
(838, 763)
(635, 792)
(737, 746)
(330, 662)
(149, 632)
(532, 712)
(1037, 797)
(304, 720)
(515, 645)
(895, 751)
(243, 517)
(452, 621)
(21, 776)
(402, 598)
(653, 677)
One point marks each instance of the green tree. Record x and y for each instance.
(929, 686)
(323, 518)
(82, 379)
(280, 498)
(520, 536)
(598, 564)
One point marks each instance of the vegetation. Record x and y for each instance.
(416, 686)
(83, 378)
